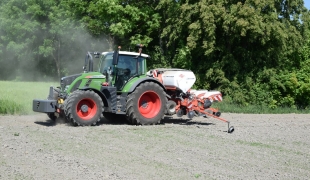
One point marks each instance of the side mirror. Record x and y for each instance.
(115, 56)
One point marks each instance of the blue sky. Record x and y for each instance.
(307, 4)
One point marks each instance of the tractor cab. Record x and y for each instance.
(122, 66)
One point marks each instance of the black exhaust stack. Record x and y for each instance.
(89, 62)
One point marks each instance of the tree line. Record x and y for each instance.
(253, 51)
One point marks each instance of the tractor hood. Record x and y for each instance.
(67, 80)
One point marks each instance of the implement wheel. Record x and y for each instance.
(84, 108)
(170, 108)
(147, 104)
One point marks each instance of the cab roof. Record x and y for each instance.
(129, 53)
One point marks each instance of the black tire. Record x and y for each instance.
(146, 105)
(52, 116)
(170, 107)
(218, 114)
(83, 108)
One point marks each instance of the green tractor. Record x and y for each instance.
(114, 91)
(124, 88)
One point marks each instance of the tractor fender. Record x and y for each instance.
(106, 103)
(145, 79)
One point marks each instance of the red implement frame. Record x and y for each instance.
(230, 128)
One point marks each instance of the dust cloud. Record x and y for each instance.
(25, 59)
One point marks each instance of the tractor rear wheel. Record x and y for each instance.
(146, 105)
(84, 108)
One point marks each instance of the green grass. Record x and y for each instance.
(16, 97)
(257, 109)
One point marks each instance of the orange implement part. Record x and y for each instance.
(206, 113)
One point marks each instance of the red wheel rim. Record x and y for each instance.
(86, 109)
(149, 104)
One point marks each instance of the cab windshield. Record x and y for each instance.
(128, 66)
(131, 63)
(105, 63)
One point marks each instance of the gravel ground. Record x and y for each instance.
(262, 147)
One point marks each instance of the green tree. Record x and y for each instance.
(40, 39)
(235, 42)
(254, 51)
(24, 27)
(16, 36)
(119, 22)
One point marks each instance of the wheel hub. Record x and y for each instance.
(144, 104)
(84, 108)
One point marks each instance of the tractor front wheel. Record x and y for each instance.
(146, 105)
(52, 116)
(84, 108)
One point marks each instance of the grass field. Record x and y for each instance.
(257, 109)
(16, 98)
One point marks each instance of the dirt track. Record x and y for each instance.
(262, 147)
